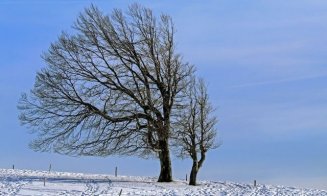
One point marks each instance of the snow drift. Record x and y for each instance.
(30, 182)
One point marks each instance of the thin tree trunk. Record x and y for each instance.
(194, 173)
(165, 162)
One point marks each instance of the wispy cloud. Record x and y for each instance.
(280, 81)
(276, 120)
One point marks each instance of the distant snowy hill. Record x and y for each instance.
(28, 182)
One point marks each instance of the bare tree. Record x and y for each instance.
(109, 88)
(196, 128)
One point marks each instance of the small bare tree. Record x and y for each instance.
(111, 88)
(196, 128)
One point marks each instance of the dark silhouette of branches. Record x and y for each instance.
(110, 88)
(196, 130)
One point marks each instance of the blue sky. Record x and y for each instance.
(265, 63)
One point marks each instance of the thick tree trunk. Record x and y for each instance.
(165, 162)
(194, 173)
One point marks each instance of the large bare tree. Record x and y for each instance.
(110, 87)
(196, 131)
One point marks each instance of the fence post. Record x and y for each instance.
(186, 178)
(255, 183)
(49, 167)
(116, 171)
(121, 190)
(13, 166)
(44, 181)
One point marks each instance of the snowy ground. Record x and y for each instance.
(28, 182)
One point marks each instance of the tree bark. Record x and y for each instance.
(194, 173)
(165, 162)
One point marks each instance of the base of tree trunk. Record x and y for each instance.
(165, 177)
(193, 174)
(165, 163)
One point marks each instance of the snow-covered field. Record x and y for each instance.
(29, 182)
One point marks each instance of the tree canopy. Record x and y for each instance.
(113, 86)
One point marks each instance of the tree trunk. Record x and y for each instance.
(165, 163)
(194, 173)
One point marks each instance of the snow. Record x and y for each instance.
(30, 182)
